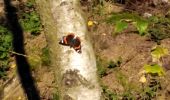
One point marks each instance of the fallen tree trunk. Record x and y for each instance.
(75, 72)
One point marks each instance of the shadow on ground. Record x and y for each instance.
(23, 66)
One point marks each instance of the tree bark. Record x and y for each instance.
(75, 73)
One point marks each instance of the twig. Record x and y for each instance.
(18, 53)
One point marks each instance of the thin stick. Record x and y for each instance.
(18, 53)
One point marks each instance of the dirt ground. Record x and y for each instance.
(43, 75)
(134, 51)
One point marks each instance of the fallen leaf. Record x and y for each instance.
(142, 79)
(90, 23)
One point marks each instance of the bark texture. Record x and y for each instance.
(75, 73)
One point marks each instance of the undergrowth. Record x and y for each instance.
(30, 21)
(150, 82)
(29, 18)
(159, 28)
(45, 57)
(5, 47)
(156, 28)
(104, 67)
(122, 20)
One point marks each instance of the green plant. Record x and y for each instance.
(31, 22)
(127, 95)
(121, 21)
(122, 79)
(30, 3)
(99, 10)
(141, 25)
(102, 7)
(158, 52)
(102, 71)
(114, 64)
(5, 47)
(45, 57)
(108, 94)
(120, 26)
(56, 96)
(101, 67)
(104, 67)
(154, 69)
(159, 28)
(56, 93)
(150, 91)
(129, 88)
(30, 19)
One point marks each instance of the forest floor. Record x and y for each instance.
(121, 56)
(36, 53)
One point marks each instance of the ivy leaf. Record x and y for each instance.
(158, 52)
(120, 26)
(154, 69)
(141, 26)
